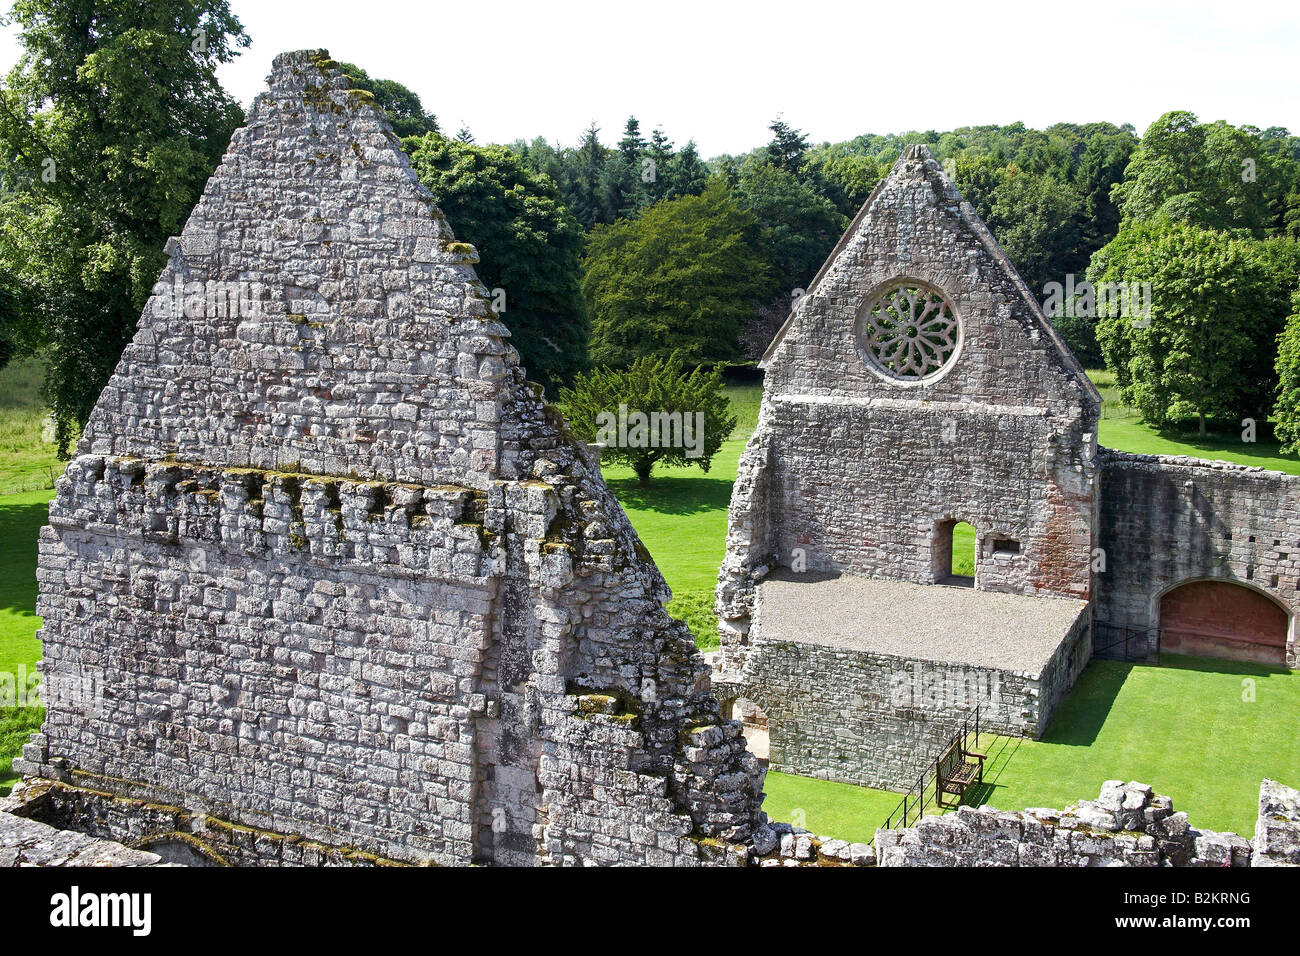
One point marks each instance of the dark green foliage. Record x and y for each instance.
(1034, 217)
(787, 148)
(798, 228)
(682, 277)
(8, 307)
(1218, 304)
(600, 398)
(1287, 409)
(1210, 175)
(601, 185)
(110, 125)
(528, 243)
(402, 106)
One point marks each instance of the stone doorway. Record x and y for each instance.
(953, 553)
(1225, 620)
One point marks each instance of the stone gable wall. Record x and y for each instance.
(847, 472)
(337, 574)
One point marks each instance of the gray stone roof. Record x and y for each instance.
(957, 625)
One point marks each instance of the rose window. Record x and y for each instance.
(910, 333)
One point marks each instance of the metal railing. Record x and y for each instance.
(1124, 642)
(923, 792)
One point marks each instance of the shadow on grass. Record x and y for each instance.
(998, 753)
(20, 527)
(1083, 712)
(673, 495)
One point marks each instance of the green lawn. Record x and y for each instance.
(837, 810)
(1187, 728)
(21, 517)
(27, 459)
(1122, 428)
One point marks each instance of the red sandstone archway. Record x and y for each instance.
(1222, 619)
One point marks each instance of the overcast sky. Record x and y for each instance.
(718, 73)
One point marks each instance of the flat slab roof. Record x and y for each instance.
(934, 622)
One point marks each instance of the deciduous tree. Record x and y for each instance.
(111, 123)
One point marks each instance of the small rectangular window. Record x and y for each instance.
(1006, 546)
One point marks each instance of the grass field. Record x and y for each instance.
(27, 458)
(1205, 732)
(1122, 428)
(838, 810)
(21, 517)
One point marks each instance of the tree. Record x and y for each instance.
(651, 413)
(1033, 217)
(787, 148)
(681, 277)
(1214, 176)
(111, 121)
(587, 179)
(798, 228)
(402, 106)
(847, 181)
(687, 173)
(660, 152)
(1287, 409)
(623, 192)
(1217, 304)
(529, 246)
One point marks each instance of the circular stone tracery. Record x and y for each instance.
(910, 332)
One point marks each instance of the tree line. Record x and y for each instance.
(602, 255)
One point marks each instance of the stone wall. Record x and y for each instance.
(1127, 825)
(1167, 520)
(852, 471)
(334, 572)
(879, 720)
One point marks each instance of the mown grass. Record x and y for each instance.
(1203, 731)
(838, 810)
(1122, 428)
(21, 517)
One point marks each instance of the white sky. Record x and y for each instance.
(719, 73)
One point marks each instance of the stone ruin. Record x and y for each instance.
(328, 581)
(915, 385)
(1129, 824)
(918, 384)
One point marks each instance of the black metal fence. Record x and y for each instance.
(923, 792)
(1124, 642)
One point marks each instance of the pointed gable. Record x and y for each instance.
(915, 231)
(317, 312)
